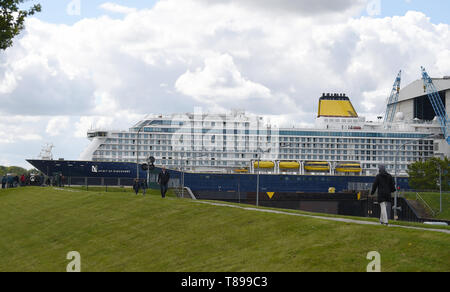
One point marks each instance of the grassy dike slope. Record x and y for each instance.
(121, 232)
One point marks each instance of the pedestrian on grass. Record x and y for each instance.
(385, 185)
(144, 186)
(136, 186)
(10, 182)
(59, 180)
(163, 181)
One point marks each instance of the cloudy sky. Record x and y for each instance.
(106, 64)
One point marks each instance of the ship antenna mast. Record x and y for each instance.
(46, 152)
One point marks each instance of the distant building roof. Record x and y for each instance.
(415, 89)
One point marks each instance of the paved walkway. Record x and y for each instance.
(362, 222)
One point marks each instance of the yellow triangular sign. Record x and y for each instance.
(270, 194)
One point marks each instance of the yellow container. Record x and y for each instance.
(320, 166)
(289, 165)
(349, 167)
(264, 164)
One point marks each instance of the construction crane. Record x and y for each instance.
(436, 102)
(393, 100)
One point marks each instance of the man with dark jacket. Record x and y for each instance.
(10, 181)
(385, 185)
(136, 186)
(144, 186)
(163, 181)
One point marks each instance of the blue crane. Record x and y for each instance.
(393, 100)
(436, 102)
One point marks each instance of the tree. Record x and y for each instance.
(17, 170)
(424, 175)
(3, 170)
(13, 170)
(12, 20)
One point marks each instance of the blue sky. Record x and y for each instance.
(55, 11)
(437, 10)
(58, 81)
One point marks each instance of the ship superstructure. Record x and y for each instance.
(340, 143)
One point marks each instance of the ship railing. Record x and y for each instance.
(419, 198)
(185, 192)
(104, 183)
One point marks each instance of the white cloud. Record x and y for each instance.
(113, 7)
(227, 53)
(8, 83)
(219, 81)
(236, 54)
(57, 125)
(19, 129)
(4, 162)
(303, 7)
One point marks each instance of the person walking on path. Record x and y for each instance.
(385, 185)
(136, 186)
(163, 181)
(144, 186)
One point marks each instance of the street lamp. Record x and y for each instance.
(137, 150)
(183, 164)
(395, 207)
(440, 188)
(440, 185)
(259, 150)
(150, 166)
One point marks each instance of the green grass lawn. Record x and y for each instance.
(118, 231)
(433, 200)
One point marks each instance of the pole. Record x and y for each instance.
(257, 183)
(259, 157)
(440, 190)
(395, 177)
(440, 186)
(137, 154)
(182, 175)
(137, 151)
(148, 177)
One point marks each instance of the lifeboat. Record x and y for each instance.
(289, 165)
(241, 170)
(264, 164)
(317, 166)
(350, 167)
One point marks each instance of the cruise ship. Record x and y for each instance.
(341, 143)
